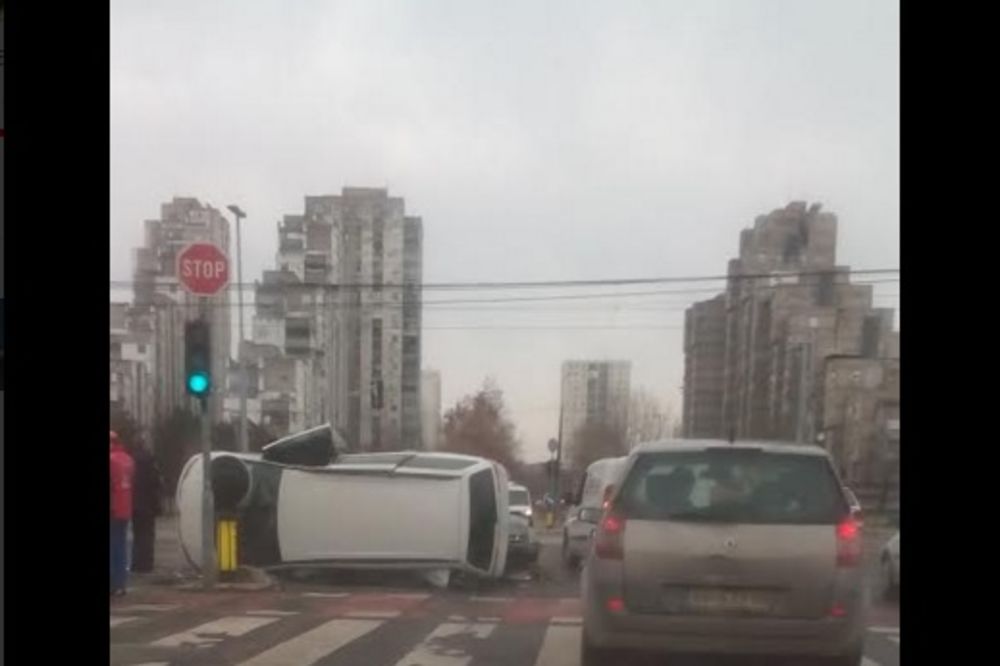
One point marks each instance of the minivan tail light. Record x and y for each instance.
(849, 542)
(610, 538)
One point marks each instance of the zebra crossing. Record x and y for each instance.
(338, 629)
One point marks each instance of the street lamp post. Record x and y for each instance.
(244, 375)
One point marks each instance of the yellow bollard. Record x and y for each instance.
(226, 545)
(550, 519)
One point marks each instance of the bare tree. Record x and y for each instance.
(595, 440)
(477, 425)
(650, 418)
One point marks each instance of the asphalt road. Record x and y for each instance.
(530, 618)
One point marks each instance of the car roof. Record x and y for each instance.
(515, 486)
(705, 444)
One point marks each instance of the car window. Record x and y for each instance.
(733, 486)
(518, 498)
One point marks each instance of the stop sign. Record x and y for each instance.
(203, 269)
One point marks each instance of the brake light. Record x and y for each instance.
(616, 604)
(609, 541)
(849, 542)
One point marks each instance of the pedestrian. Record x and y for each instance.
(121, 472)
(145, 508)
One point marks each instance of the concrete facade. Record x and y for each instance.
(430, 409)
(594, 392)
(343, 308)
(704, 370)
(161, 306)
(788, 307)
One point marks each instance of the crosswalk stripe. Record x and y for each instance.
(155, 608)
(560, 647)
(568, 619)
(884, 630)
(327, 595)
(894, 639)
(210, 633)
(313, 645)
(273, 613)
(373, 615)
(434, 650)
(119, 620)
(865, 661)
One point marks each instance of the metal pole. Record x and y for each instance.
(207, 502)
(207, 495)
(800, 430)
(244, 375)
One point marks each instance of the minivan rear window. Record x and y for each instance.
(738, 485)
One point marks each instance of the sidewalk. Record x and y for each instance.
(169, 563)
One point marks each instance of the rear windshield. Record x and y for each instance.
(518, 498)
(741, 486)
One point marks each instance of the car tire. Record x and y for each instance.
(591, 655)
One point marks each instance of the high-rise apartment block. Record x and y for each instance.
(758, 356)
(594, 392)
(151, 331)
(337, 324)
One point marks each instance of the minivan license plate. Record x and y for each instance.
(728, 601)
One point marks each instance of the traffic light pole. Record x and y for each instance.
(207, 501)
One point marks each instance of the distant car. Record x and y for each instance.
(577, 533)
(519, 501)
(522, 547)
(890, 566)
(719, 548)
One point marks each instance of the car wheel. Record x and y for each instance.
(591, 655)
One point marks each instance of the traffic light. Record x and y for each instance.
(198, 358)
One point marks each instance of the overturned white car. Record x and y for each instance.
(300, 503)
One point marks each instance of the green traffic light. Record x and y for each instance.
(198, 383)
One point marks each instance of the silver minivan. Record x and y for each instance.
(726, 548)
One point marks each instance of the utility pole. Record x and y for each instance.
(800, 430)
(240, 359)
(208, 572)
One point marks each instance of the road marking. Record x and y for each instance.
(116, 621)
(327, 595)
(373, 615)
(561, 647)
(884, 630)
(491, 599)
(155, 608)
(273, 613)
(315, 644)
(457, 618)
(408, 595)
(566, 619)
(865, 661)
(894, 639)
(154, 663)
(488, 618)
(446, 645)
(211, 633)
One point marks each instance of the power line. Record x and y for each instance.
(510, 299)
(606, 282)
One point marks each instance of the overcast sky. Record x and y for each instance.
(537, 140)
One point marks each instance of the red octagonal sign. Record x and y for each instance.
(203, 269)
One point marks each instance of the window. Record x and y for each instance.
(518, 498)
(733, 485)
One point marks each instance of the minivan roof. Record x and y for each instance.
(515, 486)
(704, 444)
